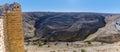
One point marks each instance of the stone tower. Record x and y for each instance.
(11, 28)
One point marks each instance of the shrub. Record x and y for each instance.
(83, 50)
(74, 51)
(56, 43)
(89, 42)
(48, 45)
(38, 43)
(67, 44)
(46, 40)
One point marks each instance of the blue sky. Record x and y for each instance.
(102, 6)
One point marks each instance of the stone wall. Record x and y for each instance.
(11, 35)
(14, 29)
(2, 37)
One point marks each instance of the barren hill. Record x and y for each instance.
(70, 26)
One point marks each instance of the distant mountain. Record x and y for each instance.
(58, 26)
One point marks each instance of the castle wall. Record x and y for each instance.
(11, 35)
(14, 30)
(2, 37)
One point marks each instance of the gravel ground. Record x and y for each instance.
(74, 47)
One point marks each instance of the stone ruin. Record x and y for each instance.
(11, 35)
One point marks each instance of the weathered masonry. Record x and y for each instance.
(11, 35)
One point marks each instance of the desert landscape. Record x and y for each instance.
(104, 39)
(60, 26)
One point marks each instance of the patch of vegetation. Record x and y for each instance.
(74, 51)
(89, 42)
(38, 43)
(67, 44)
(83, 50)
(56, 43)
(46, 41)
(48, 45)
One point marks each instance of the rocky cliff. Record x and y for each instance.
(70, 26)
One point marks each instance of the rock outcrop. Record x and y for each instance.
(109, 33)
(67, 27)
(70, 26)
(61, 26)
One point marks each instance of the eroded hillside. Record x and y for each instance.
(70, 26)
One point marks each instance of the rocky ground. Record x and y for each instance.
(74, 47)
